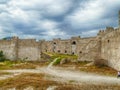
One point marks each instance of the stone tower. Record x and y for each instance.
(119, 19)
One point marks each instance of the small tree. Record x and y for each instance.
(2, 57)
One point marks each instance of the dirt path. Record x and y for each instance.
(67, 75)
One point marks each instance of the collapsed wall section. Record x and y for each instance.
(61, 46)
(68, 46)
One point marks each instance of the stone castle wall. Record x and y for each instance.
(106, 45)
(8, 47)
(110, 48)
(26, 49)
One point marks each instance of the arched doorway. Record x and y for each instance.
(54, 46)
(73, 47)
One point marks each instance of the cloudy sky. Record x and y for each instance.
(48, 19)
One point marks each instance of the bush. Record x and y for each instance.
(2, 57)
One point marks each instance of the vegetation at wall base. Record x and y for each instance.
(2, 56)
(57, 61)
(60, 57)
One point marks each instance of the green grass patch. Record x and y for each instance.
(57, 61)
(56, 55)
(7, 64)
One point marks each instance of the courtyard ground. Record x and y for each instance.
(45, 76)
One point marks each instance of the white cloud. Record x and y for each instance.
(18, 14)
(89, 33)
(47, 24)
(51, 28)
(46, 7)
(31, 15)
(89, 14)
(86, 15)
(56, 18)
(1, 31)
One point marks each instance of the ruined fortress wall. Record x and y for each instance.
(28, 49)
(65, 47)
(88, 48)
(69, 46)
(56, 46)
(8, 48)
(83, 47)
(62, 46)
(110, 49)
(106, 45)
(49, 46)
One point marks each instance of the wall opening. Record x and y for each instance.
(54, 43)
(65, 51)
(108, 41)
(73, 43)
(58, 51)
(73, 53)
(80, 52)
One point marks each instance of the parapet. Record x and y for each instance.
(106, 31)
(56, 39)
(15, 37)
(78, 37)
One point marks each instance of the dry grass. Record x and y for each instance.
(76, 64)
(88, 87)
(20, 65)
(28, 79)
(105, 70)
(4, 73)
(38, 82)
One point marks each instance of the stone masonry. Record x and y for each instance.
(22, 49)
(106, 45)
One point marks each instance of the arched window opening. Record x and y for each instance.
(73, 43)
(55, 43)
(65, 51)
(108, 41)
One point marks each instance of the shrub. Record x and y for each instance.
(2, 57)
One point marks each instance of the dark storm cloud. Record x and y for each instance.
(50, 19)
